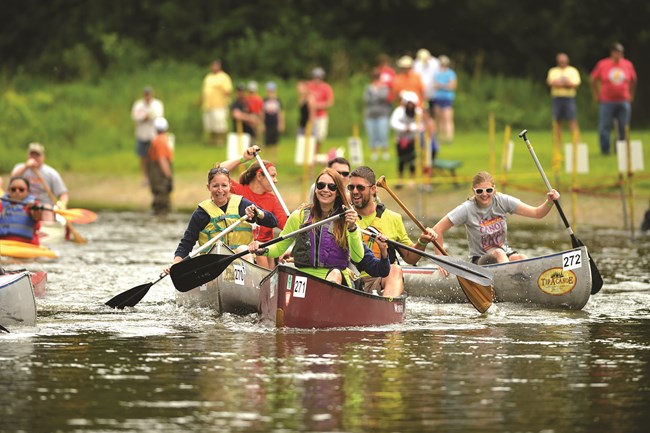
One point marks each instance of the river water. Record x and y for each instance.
(165, 368)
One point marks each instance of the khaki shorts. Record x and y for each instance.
(216, 120)
(370, 284)
(321, 125)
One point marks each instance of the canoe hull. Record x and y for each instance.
(558, 280)
(17, 302)
(293, 299)
(235, 291)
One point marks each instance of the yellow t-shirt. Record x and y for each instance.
(570, 74)
(217, 89)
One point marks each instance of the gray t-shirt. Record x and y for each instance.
(486, 227)
(51, 177)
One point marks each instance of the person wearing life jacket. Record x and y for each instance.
(19, 213)
(324, 251)
(221, 210)
(376, 218)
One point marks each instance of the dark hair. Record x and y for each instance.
(340, 230)
(246, 177)
(338, 159)
(24, 179)
(366, 173)
(217, 170)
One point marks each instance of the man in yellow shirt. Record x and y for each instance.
(217, 89)
(564, 79)
(374, 217)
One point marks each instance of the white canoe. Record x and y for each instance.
(52, 232)
(17, 301)
(560, 280)
(236, 290)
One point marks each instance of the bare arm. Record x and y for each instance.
(540, 211)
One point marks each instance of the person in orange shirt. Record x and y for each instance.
(408, 80)
(159, 168)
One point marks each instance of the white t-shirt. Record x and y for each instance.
(143, 115)
(486, 227)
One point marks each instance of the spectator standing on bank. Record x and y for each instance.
(323, 99)
(255, 103)
(159, 168)
(241, 113)
(564, 80)
(215, 97)
(613, 82)
(407, 80)
(143, 113)
(405, 121)
(386, 74)
(443, 101)
(377, 114)
(273, 116)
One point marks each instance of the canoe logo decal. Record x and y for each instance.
(556, 281)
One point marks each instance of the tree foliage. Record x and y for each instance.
(80, 39)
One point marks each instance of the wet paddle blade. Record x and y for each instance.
(480, 296)
(129, 298)
(596, 278)
(199, 270)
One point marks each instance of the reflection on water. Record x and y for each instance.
(162, 367)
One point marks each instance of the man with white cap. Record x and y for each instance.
(36, 163)
(426, 66)
(143, 113)
(405, 120)
(159, 168)
(323, 97)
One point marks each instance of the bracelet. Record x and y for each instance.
(354, 229)
(242, 160)
(424, 244)
(549, 203)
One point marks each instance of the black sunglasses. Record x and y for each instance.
(480, 190)
(344, 173)
(18, 189)
(322, 185)
(360, 188)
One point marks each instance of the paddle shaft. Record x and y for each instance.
(597, 279)
(77, 237)
(468, 270)
(275, 190)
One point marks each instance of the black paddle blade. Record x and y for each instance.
(129, 298)
(596, 278)
(199, 270)
(3, 329)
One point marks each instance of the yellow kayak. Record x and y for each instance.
(24, 250)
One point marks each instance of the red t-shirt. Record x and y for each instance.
(267, 201)
(615, 79)
(255, 104)
(322, 93)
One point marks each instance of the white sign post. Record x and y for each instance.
(582, 165)
(636, 150)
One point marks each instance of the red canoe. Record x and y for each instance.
(294, 299)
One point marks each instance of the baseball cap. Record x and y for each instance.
(148, 90)
(423, 54)
(408, 96)
(617, 46)
(36, 148)
(271, 86)
(252, 86)
(241, 86)
(161, 124)
(405, 62)
(318, 72)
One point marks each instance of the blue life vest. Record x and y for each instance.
(15, 221)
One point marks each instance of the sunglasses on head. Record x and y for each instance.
(480, 190)
(322, 185)
(359, 188)
(344, 173)
(18, 189)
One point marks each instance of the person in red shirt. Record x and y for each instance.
(255, 103)
(254, 186)
(323, 97)
(613, 82)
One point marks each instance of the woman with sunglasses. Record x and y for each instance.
(325, 251)
(254, 186)
(19, 213)
(220, 211)
(484, 216)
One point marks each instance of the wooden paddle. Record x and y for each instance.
(189, 274)
(453, 265)
(75, 235)
(596, 278)
(74, 215)
(25, 250)
(481, 296)
(134, 295)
